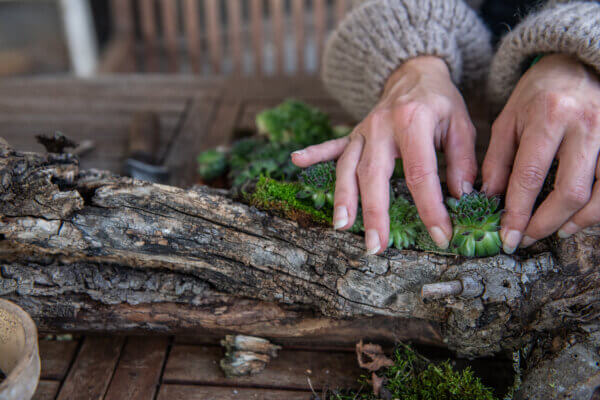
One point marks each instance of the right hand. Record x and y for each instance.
(421, 110)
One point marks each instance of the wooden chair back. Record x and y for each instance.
(242, 37)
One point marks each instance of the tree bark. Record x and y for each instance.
(87, 250)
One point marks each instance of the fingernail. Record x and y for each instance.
(439, 237)
(527, 241)
(467, 187)
(568, 229)
(298, 152)
(372, 241)
(510, 241)
(485, 188)
(340, 217)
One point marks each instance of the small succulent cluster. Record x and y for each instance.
(318, 184)
(405, 224)
(284, 129)
(476, 222)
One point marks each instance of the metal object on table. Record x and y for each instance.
(19, 354)
(144, 148)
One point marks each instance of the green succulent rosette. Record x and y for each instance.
(212, 164)
(476, 222)
(318, 184)
(405, 224)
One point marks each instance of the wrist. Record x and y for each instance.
(421, 65)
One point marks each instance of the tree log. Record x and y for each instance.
(91, 250)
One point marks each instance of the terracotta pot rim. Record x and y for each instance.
(30, 343)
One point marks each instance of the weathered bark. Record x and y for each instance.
(76, 241)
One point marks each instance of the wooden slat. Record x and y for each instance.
(56, 357)
(320, 18)
(148, 24)
(181, 158)
(256, 26)
(277, 13)
(298, 17)
(169, 26)
(234, 17)
(46, 390)
(182, 392)
(213, 32)
(290, 370)
(93, 368)
(340, 10)
(138, 372)
(192, 32)
(122, 17)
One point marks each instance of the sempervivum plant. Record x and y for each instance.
(476, 222)
(318, 184)
(405, 224)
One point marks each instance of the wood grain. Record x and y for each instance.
(138, 372)
(192, 31)
(213, 34)
(290, 369)
(46, 390)
(256, 28)
(183, 392)
(170, 27)
(93, 369)
(56, 358)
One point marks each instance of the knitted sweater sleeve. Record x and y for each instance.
(569, 27)
(377, 36)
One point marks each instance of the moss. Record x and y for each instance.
(281, 197)
(413, 377)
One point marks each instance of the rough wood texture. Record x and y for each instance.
(125, 243)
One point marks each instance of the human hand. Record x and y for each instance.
(552, 112)
(420, 111)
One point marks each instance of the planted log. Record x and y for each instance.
(85, 246)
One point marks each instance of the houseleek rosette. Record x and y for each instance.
(318, 184)
(476, 222)
(405, 224)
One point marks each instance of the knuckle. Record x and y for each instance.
(530, 177)
(575, 195)
(405, 113)
(372, 212)
(416, 175)
(554, 105)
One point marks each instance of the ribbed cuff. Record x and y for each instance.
(379, 35)
(571, 28)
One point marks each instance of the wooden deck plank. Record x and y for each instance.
(46, 390)
(290, 370)
(138, 372)
(182, 392)
(56, 357)
(93, 369)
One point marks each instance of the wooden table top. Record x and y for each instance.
(195, 113)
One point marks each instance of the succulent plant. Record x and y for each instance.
(318, 184)
(212, 164)
(295, 122)
(405, 224)
(476, 222)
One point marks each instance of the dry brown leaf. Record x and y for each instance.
(370, 356)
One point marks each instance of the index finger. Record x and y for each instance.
(414, 135)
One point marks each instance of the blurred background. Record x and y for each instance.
(205, 37)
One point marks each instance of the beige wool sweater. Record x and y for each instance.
(377, 36)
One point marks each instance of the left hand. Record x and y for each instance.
(554, 112)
